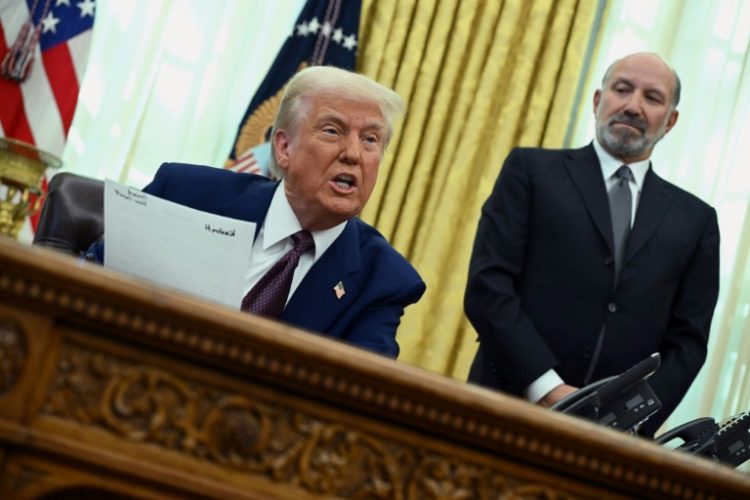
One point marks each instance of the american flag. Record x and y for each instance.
(39, 108)
(248, 161)
(338, 289)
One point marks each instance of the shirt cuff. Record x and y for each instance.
(541, 386)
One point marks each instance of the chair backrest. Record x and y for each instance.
(73, 214)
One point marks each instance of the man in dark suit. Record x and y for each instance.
(313, 263)
(568, 285)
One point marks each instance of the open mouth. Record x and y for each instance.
(345, 182)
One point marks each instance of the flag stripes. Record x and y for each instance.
(246, 164)
(40, 110)
(58, 61)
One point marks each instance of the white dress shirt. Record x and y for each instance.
(609, 164)
(274, 240)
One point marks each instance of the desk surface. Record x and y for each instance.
(109, 384)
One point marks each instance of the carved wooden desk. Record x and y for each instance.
(115, 389)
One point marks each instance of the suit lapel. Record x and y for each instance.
(652, 207)
(314, 304)
(586, 172)
(252, 205)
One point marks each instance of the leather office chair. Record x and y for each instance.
(73, 214)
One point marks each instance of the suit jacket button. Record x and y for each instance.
(608, 261)
(612, 307)
(586, 353)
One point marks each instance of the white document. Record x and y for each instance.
(196, 252)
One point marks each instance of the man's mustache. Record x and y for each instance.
(633, 121)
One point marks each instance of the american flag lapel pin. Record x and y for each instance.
(339, 290)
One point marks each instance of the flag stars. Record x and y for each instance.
(327, 30)
(62, 2)
(313, 26)
(87, 8)
(49, 23)
(350, 42)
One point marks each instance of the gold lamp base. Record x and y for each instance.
(22, 167)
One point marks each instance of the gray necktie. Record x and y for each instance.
(621, 208)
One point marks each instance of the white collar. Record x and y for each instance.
(610, 164)
(281, 223)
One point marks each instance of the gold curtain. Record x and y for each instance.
(479, 77)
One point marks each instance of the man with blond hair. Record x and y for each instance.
(313, 263)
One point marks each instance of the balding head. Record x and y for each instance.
(648, 58)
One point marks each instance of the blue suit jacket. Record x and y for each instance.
(378, 281)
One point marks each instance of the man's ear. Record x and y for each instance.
(281, 148)
(671, 121)
(597, 98)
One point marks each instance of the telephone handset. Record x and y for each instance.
(621, 401)
(728, 442)
(693, 434)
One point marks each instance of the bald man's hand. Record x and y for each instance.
(556, 395)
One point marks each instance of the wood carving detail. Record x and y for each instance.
(148, 405)
(12, 353)
(59, 300)
(23, 476)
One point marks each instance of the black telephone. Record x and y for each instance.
(622, 401)
(728, 442)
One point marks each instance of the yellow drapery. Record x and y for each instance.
(479, 77)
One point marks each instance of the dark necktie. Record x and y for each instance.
(269, 295)
(621, 209)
